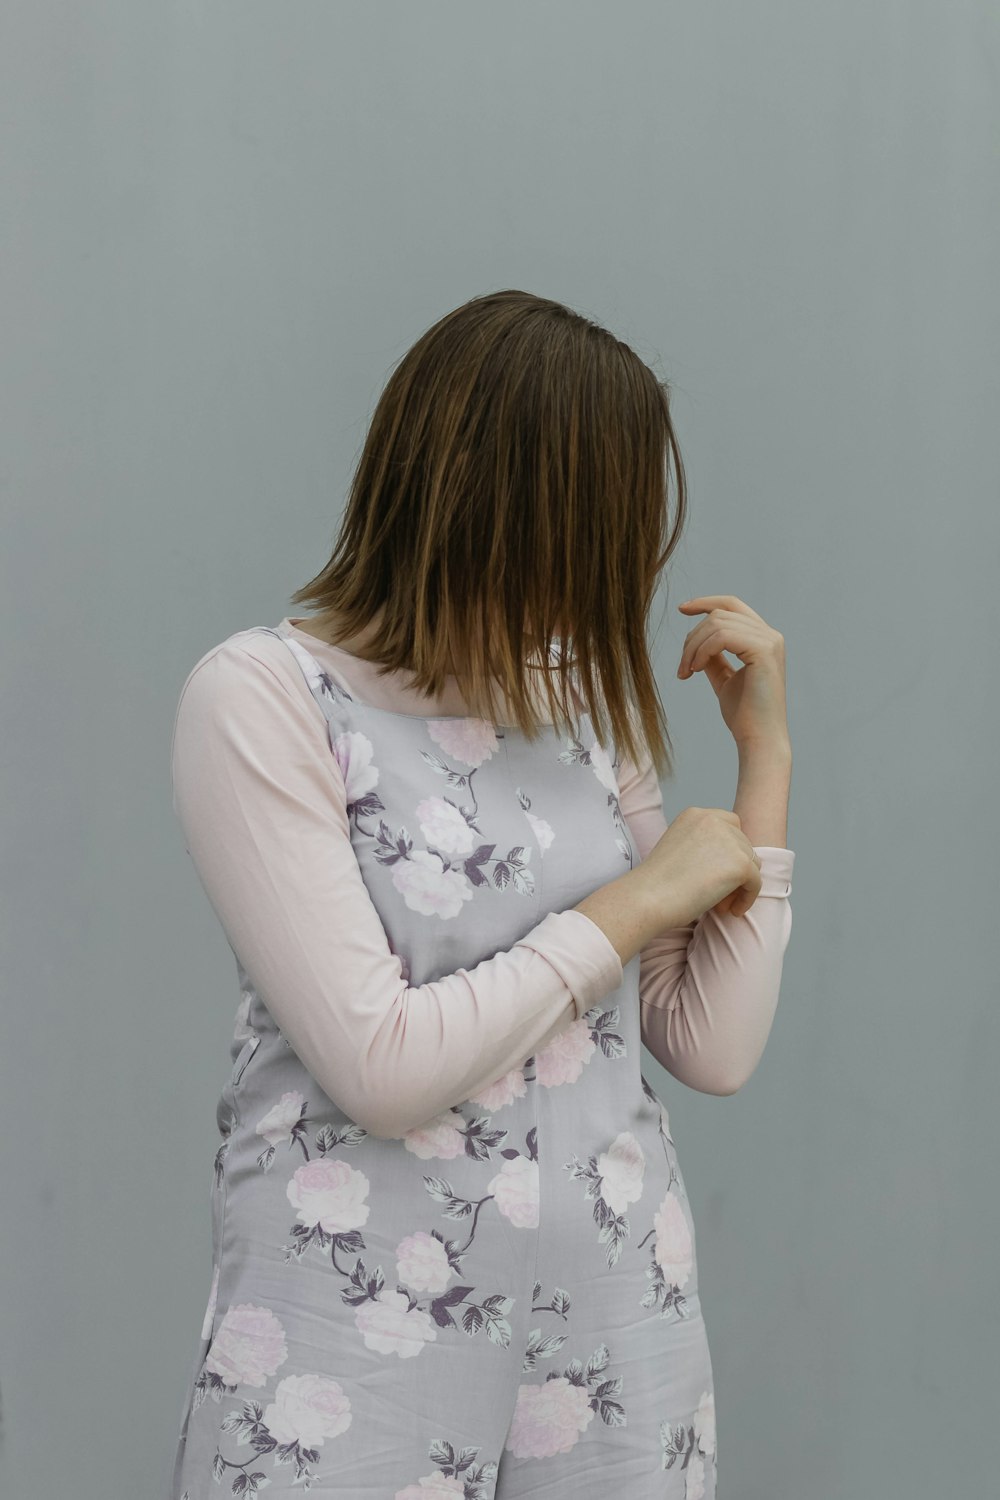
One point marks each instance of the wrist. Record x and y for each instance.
(773, 749)
(625, 911)
(657, 905)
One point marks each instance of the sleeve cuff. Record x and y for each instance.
(775, 870)
(581, 953)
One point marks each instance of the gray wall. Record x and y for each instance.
(222, 225)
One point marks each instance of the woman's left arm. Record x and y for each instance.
(709, 991)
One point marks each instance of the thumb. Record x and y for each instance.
(718, 671)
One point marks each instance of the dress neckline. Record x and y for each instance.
(316, 647)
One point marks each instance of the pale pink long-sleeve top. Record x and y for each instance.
(262, 806)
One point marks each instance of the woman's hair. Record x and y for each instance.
(512, 488)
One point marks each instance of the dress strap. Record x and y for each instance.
(321, 685)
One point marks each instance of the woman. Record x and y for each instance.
(452, 1248)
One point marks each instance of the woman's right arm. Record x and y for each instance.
(262, 806)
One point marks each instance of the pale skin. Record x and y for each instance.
(752, 703)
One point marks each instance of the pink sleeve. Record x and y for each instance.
(708, 992)
(262, 806)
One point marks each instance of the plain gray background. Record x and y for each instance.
(222, 226)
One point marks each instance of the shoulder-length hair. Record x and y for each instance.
(512, 492)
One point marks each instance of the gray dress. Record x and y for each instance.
(503, 1303)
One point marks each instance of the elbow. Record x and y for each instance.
(715, 1081)
(376, 1115)
(377, 1118)
(392, 1120)
(373, 1100)
(384, 1116)
(726, 1084)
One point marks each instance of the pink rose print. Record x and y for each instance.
(394, 1321)
(428, 887)
(704, 1422)
(354, 754)
(472, 741)
(673, 1246)
(206, 1327)
(390, 1326)
(673, 1257)
(548, 1418)
(422, 1262)
(694, 1479)
(304, 1412)
(277, 1125)
(603, 769)
(562, 1059)
(501, 1093)
(427, 879)
(543, 831)
(249, 1346)
(614, 1180)
(692, 1447)
(515, 1188)
(287, 1121)
(329, 1193)
(433, 1487)
(444, 827)
(621, 1170)
(307, 1409)
(441, 1136)
(457, 1474)
(395, 1318)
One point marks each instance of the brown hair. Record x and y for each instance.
(512, 487)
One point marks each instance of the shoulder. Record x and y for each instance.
(253, 657)
(245, 711)
(250, 748)
(246, 685)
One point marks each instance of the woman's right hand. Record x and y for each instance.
(702, 862)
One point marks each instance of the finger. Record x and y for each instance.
(718, 671)
(704, 602)
(694, 638)
(712, 644)
(739, 637)
(744, 905)
(704, 628)
(747, 894)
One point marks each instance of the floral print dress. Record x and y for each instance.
(504, 1302)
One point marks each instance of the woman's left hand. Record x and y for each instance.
(751, 697)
